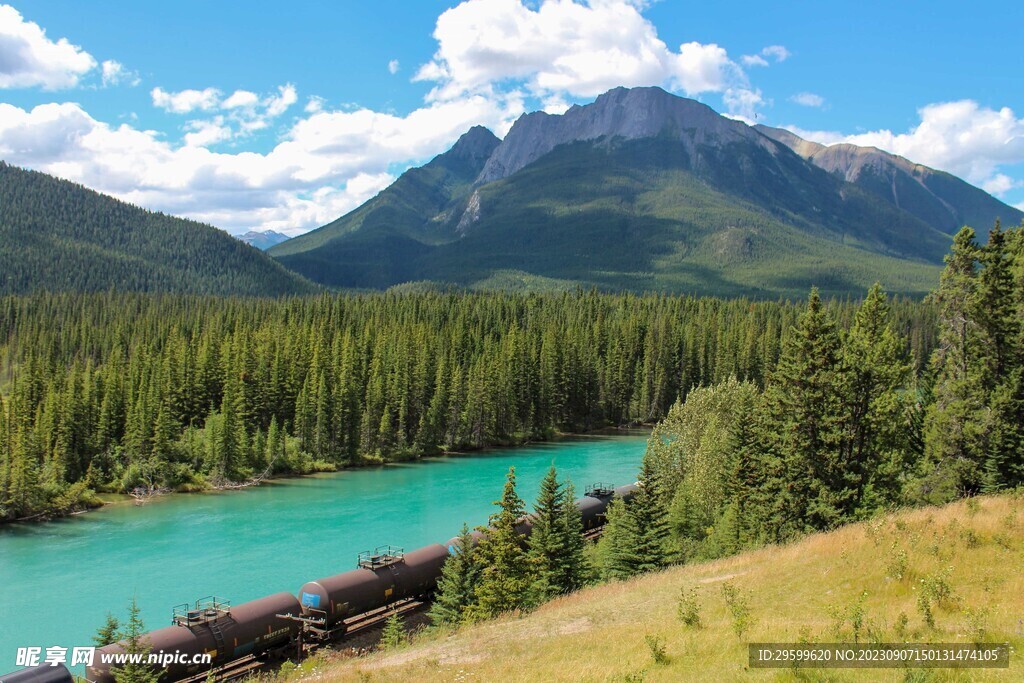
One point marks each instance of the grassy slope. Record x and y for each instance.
(598, 634)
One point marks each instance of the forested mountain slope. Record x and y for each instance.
(59, 236)
(641, 190)
(938, 198)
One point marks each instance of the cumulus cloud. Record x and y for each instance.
(961, 137)
(563, 48)
(808, 99)
(325, 165)
(185, 101)
(28, 58)
(393, 66)
(114, 73)
(240, 98)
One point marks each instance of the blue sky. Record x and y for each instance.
(271, 115)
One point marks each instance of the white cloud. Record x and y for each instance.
(28, 58)
(206, 133)
(186, 101)
(325, 165)
(808, 99)
(314, 104)
(393, 66)
(961, 137)
(115, 73)
(240, 98)
(743, 103)
(563, 48)
(285, 98)
(775, 53)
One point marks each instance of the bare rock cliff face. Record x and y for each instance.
(623, 113)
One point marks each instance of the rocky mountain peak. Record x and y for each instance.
(475, 146)
(626, 113)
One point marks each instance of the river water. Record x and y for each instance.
(59, 579)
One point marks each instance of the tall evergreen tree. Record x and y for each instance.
(806, 401)
(134, 642)
(617, 549)
(457, 586)
(507, 576)
(954, 424)
(876, 406)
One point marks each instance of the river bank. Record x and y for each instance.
(94, 500)
(242, 545)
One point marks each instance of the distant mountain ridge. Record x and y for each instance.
(938, 198)
(263, 239)
(56, 235)
(644, 190)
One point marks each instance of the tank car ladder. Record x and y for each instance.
(218, 637)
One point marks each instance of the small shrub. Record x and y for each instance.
(284, 671)
(856, 614)
(938, 588)
(657, 647)
(896, 568)
(976, 623)
(902, 622)
(739, 608)
(874, 530)
(394, 634)
(1003, 541)
(924, 608)
(973, 506)
(971, 539)
(689, 607)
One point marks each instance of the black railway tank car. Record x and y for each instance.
(227, 633)
(39, 674)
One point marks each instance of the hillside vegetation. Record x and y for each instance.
(965, 558)
(645, 191)
(58, 236)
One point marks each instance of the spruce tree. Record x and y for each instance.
(135, 643)
(572, 571)
(547, 535)
(394, 632)
(954, 424)
(456, 588)
(876, 410)
(107, 633)
(650, 521)
(507, 576)
(806, 406)
(617, 549)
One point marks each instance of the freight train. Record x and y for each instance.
(279, 624)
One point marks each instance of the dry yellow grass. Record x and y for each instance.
(794, 593)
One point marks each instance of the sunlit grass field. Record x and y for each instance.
(966, 559)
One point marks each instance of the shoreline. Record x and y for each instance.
(125, 498)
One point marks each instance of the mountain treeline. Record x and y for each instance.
(118, 392)
(59, 236)
(843, 427)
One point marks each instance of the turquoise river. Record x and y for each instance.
(58, 579)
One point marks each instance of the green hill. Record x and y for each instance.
(59, 236)
(820, 589)
(640, 190)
